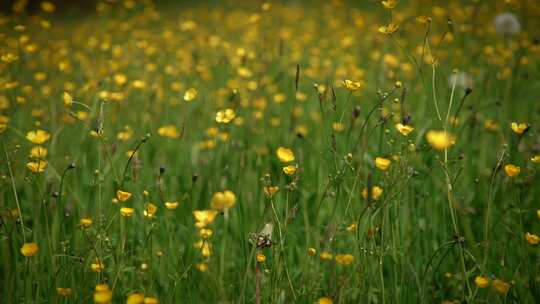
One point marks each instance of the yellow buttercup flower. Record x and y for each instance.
(311, 252)
(271, 190)
(85, 222)
(205, 247)
(532, 239)
(38, 137)
(169, 131)
(325, 300)
(223, 200)
(344, 259)
(440, 140)
(37, 166)
(512, 170)
(536, 159)
(150, 210)
(202, 267)
(135, 298)
(289, 170)
(68, 100)
(171, 205)
(48, 7)
(500, 286)
(190, 94)
(9, 57)
(481, 281)
(382, 163)
(391, 28)
(352, 85)
(389, 4)
(404, 129)
(376, 193)
(29, 249)
(205, 233)
(225, 116)
(285, 155)
(122, 195)
(102, 294)
(325, 255)
(127, 211)
(38, 152)
(519, 128)
(63, 291)
(204, 217)
(97, 266)
(151, 300)
(261, 257)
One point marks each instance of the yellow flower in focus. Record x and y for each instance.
(37, 167)
(97, 266)
(325, 300)
(169, 131)
(500, 286)
(536, 159)
(85, 222)
(352, 85)
(285, 155)
(382, 163)
(38, 137)
(68, 100)
(135, 298)
(440, 140)
(376, 193)
(532, 239)
(481, 281)
(261, 257)
(171, 205)
(29, 249)
(225, 116)
(391, 28)
(190, 94)
(404, 129)
(223, 200)
(150, 210)
(389, 4)
(344, 259)
(519, 128)
(38, 152)
(204, 217)
(289, 170)
(512, 170)
(63, 291)
(122, 195)
(127, 211)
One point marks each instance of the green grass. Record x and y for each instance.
(445, 217)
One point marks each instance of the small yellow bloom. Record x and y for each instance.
(376, 193)
(9, 57)
(190, 94)
(261, 257)
(481, 281)
(204, 217)
(389, 4)
(85, 222)
(47, 7)
(102, 294)
(532, 239)
(404, 129)
(122, 195)
(169, 131)
(205, 247)
(352, 85)
(171, 205)
(97, 266)
(135, 298)
(63, 291)
(423, 19)
(151, 300)
(500, 286)
(440, 140)
(150, 210)
(325, 300)
(206, 233)
(38, 152)
(202, 267)
(38, 137)
(285, 155)
(538, 213)
(512, 170)
(325, 255)
(519, 128)
(338, 127)
(352, 228)
(382, 163)
(223, 200)
(68, 100)
(29, 249)
(225, 116)
(344, 259)
(536, 159)
(391, 28)
(270, 190)
(289, 170)
(311, 252)
(37, 167)
(127, 211)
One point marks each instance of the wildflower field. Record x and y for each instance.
(270, 152)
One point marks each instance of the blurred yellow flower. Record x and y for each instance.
(285, 155)
(204, 218)
(122, 195)
(500, 286)
(97, 266)
(47, 7)
(289, 170)
(382, 163)
(532, 239)
(190, 94)
(261, 257)
(519, 128)
(127, 211)
(85, 222)
(440, 140)
(169, 131)
(404, 129)
(205, 247)
(536, 159)
(311, 252)
(171, 205)
(102, 294)
(481, 281)
(270, 190)
(389, 4)
(391, 28)
(29, 249)
(225, 116)
(38, 152)
(205, 233)
(325, 300)
(344, 259)
(63, 291)
(135, 298)
(151, 300)
(325, 255)
(9, 57)
(512, 170)
(150, 210)
(202, 267)
(223, 200)
(36, 167)
(376, 193)
(352, 85)
(38, 137)
(68, 100)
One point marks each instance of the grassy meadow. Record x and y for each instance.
(270, 152)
